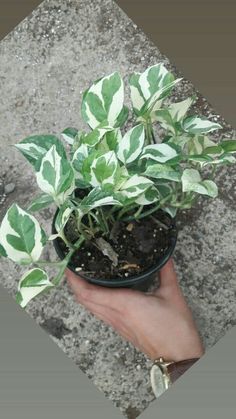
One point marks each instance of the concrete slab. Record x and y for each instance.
(46, 63)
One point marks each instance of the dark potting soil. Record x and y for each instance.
(139, 244)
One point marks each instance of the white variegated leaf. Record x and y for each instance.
(21, 236)
(104, 169)
(137, 97)
(163, 171)
(161, 153)
(199, 143)
(96, 198)
(96, 135)
(32, 284)
(171, 211)
(36, 146)
(131, 145)
(104, 101)
(55, 176)
(192, 182)
(149, 88)
(150, 196)
(154, 79)
(63, 216)
(69, 135)
(43, 201)
(160, 94)
(199, 125)
(135, 186)
(78, 158)
(178, 110)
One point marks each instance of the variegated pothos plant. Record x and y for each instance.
(124, 174)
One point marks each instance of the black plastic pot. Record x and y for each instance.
(141, 281)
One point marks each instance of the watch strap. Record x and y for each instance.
(176, 369)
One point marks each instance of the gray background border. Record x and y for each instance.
(36, 378)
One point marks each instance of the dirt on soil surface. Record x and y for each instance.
(138, 245)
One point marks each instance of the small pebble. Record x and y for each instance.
(78, 269)
(138, 367)
(126, 274)
(89, 254)
(9, 188)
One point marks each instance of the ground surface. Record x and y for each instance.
(46, 63)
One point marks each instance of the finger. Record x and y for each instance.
(168, 279)
(112, 298)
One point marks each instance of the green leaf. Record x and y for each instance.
(32, 284)
(229, 146)
(3, 251)
(42, 201)
(131, 145)
(35, 147)
(56, 176)
(199, 125)
(69, 135)
(159, 152)
(192, 182)
(135, 186)
(21, 236)
(104, 169)
(104, 101)
(163, 171)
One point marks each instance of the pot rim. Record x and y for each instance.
(122, 282)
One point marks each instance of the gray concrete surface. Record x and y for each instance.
(46, 63)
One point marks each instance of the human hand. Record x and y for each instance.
(159, 324)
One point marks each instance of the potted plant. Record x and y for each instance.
(117, 191)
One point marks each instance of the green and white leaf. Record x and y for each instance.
(78, 159)
(192, 182)
(179, 110)
(135, 186)
(172, 211)
(154, 79)
(137, 97)
(56, 176)
(163, 171)
(32, 284)
(97, 134)
(165, 119)
(199, 125)
(21, 237)
(96, 198)
(104, 101)
(42, 201)
(159, 152)
(199, 143)
(63, 216)
(131, 145)
(150, 196)
(150, 105)
(35, 147)
(69, 135)
(104, 169)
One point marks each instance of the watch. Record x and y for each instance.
(164, 373)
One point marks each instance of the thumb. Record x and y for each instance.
(168, 279)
